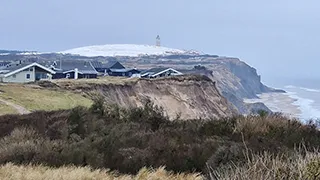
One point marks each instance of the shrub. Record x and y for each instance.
(126, 140)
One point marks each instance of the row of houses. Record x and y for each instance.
(23, 72)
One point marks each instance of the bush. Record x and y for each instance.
(126, 140)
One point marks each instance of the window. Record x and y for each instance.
(14, 76)
(44, 76)
(31, 69)
(28, 76)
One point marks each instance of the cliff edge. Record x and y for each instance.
(188, 97)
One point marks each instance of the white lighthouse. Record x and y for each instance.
(158, 41)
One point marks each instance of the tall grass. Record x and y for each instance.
(302, 164)
(13, 172)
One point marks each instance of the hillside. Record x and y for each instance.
(127, 140)
(22, 99)
(130, 50)
(186, 96)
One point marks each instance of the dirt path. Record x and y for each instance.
(20, 109)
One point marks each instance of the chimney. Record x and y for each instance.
(76, 73)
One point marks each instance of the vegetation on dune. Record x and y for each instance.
(99, 81)
(29, 172)
(126, 140)
(113, 80)
(36, 98)
(301, 164)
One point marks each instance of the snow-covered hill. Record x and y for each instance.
(125, 50)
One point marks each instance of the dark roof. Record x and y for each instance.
(114, 65)
(83, 66)
(108, 65)
(97, 64)
(124, 70)
(13, 66)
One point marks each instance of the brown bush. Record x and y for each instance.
(107, 136)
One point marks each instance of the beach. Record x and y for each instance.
(279, 102)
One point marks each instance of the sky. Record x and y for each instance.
(279, 38)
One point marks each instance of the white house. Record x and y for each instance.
(23, 73)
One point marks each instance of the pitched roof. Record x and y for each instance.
(97, 64)
(84, 67)
(158, 70)
(109, 65)
(123, 70)
(15, 68)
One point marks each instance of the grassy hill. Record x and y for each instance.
(33, 98)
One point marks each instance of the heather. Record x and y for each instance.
(127, 140)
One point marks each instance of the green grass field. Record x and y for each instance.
(32, 98)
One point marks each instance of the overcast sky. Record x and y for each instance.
(278, 37)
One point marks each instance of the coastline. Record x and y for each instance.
(279, 102)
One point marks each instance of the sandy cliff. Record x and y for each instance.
(187, 96)
(235, 79)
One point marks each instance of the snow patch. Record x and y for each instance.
(30, 53)
(131, 50)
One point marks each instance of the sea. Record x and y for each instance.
(304, 92)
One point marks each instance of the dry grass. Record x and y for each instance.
(35, 98)
(299, 165)
(5, 109)
(14, 172)
(100, 80)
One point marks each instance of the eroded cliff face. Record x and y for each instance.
(237, 77)
(236, 80)
(187, 96)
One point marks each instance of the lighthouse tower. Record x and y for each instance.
(158, 41)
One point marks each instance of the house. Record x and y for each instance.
(114, 68)
(25, 72)
(73, 69)
(124, 72)
(160, 72)
(105, 67)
